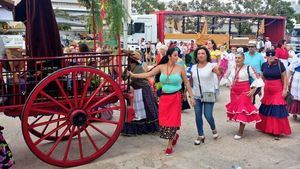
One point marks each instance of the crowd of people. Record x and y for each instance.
(184, 75)
(185, 70)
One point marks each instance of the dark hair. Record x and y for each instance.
(208, 58)
(170, 51)
(83, 47)
(130, 60)
(279, 45)
(165, 59)
(271, 52)
(261, 49)
(214, 44)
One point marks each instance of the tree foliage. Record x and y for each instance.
(147, 6)
(177, 5)
(210, 5)
(268, 7)
(114, 15)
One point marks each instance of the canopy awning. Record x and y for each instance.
(5, 15)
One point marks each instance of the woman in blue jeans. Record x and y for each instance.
(202, 75)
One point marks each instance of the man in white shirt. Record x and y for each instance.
(260, 43)
(268, 44)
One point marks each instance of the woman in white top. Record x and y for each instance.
(243, 81)
(203, 72)
(291, 51)
(294, 67)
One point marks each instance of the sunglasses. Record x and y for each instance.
(272, 54)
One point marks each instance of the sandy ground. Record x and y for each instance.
(256, 150)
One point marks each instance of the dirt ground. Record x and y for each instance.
(255, 151)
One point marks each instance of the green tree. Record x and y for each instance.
(114, 15)
(147, 6)
(210, 5)
(268, 7)
(177, 5)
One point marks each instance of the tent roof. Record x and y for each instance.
(220, 14)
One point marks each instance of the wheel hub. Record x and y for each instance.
(78, 118)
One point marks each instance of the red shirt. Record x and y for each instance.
(282, 53)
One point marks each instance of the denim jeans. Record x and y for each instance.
(207, 108)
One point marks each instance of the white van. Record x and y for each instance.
(295, 38)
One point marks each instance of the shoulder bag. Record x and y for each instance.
(289, 97)
(209, 97)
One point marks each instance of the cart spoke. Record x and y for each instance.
(75, 89)
(58, 141)
(87, 85)
(106, 98)
(69, 144)
(105, 109)
(95, 93)
(56, 135)
(55, 101)
(64, 93)
(100, 131)
(79, 143)
(92, 141)
(49, 112)
(50, 133)
(46, 122)
(104, 120)
(37, 120)
(47, 125)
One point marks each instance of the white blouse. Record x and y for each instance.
(242, 76)
(295, 62)
(206, 76)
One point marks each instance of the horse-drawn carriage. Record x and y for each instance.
(60, 105)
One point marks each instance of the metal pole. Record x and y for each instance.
(258, 25)
(94, 24)
(229, 31)
(198, 24)
(240, 26)
(125, 23)
(213, 26)
(183, 24)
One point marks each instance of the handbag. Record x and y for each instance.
(209, 97)
(289, 97)
(251, 80)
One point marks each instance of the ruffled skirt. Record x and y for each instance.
(240, 108)
(273, 110)
(148, 125)
(294, 108)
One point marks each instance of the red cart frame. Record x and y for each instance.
(60, 101)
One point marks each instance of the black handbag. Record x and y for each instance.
(209, 97)
(289, 97)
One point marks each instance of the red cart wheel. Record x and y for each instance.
(62, 108)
